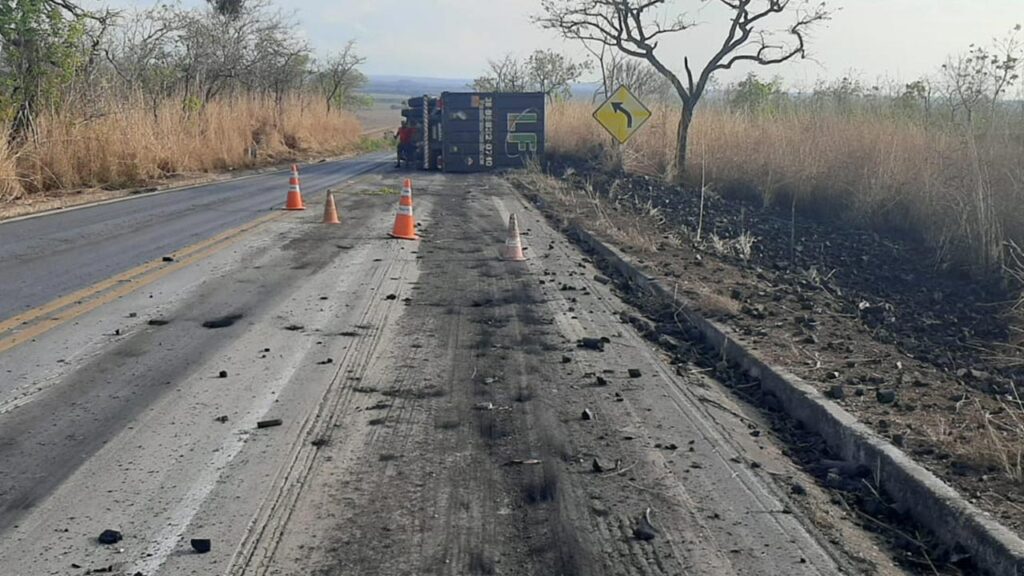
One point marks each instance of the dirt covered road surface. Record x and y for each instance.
(923, 356)
(441, 411)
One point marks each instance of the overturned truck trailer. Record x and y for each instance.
(477, 132)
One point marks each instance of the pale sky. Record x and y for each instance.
(896, 39)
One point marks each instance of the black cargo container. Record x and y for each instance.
(476, 132)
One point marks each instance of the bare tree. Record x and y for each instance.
(639, 76)
(636, 28)
(202, 53)
(553, 73)
(141, 53)
(339, 76)
(544, 71)
(506, 75)
(980, 77)
(254, 50)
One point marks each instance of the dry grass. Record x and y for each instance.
(585, 202)
(872, 170)
(132, 143)
(959, 193)
(984, 431)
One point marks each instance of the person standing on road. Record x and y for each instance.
(405, 137)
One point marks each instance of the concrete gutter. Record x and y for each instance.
(929, 500)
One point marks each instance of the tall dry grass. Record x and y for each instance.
(961, 193)
(134, 142)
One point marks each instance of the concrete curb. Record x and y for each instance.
(930, 501)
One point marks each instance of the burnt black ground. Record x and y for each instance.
(941, 315)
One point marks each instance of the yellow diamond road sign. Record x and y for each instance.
(622, 114)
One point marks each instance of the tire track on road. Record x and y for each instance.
(259, 546)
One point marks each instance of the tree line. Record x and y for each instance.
(972, 89)
(55, 54)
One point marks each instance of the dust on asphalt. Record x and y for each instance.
(477, 460)
(475, 317)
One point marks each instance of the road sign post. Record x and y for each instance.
(622, 114)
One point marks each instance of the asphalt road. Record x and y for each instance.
(430, 398)
(47, 257)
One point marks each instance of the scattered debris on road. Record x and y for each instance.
(109, 537)
(529, 462)
(599, 467)
(644, 529)
(201, 545)
(593, 343)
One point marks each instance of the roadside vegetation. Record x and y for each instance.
(105, 99)
(938, 159)
(870, 159)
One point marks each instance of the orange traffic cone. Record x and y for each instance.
(294, 193)
(514, 243)
(405, 222)
(331, 210)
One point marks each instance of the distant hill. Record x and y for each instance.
(413, 85)
(419, 85)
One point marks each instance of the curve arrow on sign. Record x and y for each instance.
(618, 107)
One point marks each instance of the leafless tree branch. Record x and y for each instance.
(635, 28)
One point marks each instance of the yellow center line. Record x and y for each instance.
(70, 299)
(86, 300)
